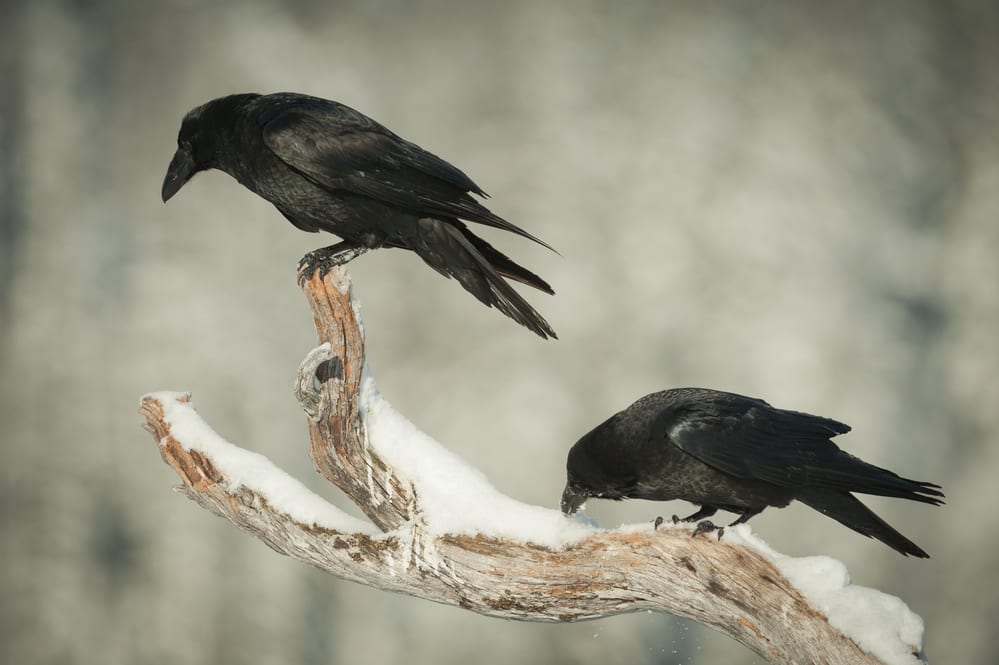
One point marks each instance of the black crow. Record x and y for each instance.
(725, 451)
(327, 167)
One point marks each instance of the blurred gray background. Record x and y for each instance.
(791, 200)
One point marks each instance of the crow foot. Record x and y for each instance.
(705, 511)
(707, 526)
(327, 258)
(744, 517)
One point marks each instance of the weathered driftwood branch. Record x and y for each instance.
(588, 574)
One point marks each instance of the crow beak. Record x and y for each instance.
(181, 168)
(572, 499)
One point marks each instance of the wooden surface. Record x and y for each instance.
(723, 585)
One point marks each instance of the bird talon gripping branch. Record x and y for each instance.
(325, 259)
(705, 527)
(308, 267)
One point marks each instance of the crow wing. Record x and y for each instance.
(748, 438)
(339, 148)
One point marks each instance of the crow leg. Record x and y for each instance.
(744, 517)
(707, 526)
(326, 258)
(705, 511)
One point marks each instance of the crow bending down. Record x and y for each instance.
(725, 451)
(327, 167)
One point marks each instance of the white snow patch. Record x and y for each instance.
(454, 496)
(586, 520)
(457, 498)
(880, 624)
(242, 468)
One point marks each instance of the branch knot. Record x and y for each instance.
(320, 365)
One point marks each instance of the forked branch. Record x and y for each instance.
(543, 567)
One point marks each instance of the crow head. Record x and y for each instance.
(185, 163)
(203, 132)
(598, 467)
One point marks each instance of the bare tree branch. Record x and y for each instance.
(722, 584)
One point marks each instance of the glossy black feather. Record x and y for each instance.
(327, 167)
(730, 452)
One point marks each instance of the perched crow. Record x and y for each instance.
(326, 167)
(726, 451)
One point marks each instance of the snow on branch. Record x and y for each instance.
(439, 530)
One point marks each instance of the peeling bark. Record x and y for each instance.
(723, 585)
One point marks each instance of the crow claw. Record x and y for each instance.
(327, 258)
(308, 266)
(707, 526)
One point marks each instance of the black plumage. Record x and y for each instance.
(327, 167)
(724, 451)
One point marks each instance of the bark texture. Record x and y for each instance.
(723, 585)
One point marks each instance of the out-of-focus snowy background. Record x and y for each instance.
(796, 201)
